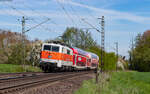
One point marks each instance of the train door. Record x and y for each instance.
(67, 56)
(63, 56)
(75, 59)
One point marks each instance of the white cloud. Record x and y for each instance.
(117, 15)
(30, 13)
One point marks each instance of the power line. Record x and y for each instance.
(90, 14)
(26, 15)
(12, 7)
(40, 14)
(23, 37)
(78, 16)
(65, 11)
(37, 25)
(91, 25)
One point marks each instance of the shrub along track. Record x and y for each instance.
(20, 83)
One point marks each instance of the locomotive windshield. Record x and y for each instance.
(51, 48)
(55, 48)
(47, 47)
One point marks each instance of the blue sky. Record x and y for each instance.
(124, 18)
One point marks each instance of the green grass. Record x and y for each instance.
(118, 83)
(9, 68)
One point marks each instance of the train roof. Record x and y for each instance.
(93, 55)
(80, 51)
(86, 53)
(58, 42)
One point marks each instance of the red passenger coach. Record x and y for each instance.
(80, 58)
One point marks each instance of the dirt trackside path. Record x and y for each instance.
(60, 87)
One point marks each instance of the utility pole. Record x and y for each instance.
(102, 42)
(23, 41)
(23, 37)
(117, 53)
(132, 52)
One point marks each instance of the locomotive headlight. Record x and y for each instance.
(49, 56)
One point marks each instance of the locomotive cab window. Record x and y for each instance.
(47, 48)
(55, 48)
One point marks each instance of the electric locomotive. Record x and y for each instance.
(55, 56)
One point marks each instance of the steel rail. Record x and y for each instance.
(39, 81)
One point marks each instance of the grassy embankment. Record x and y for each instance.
(118, 83)
(9, 68)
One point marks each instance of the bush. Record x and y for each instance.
(11, 68)
(110, 59)
(139, 56)
(16, 54)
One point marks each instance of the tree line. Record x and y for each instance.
(140, 53)
(84, 40)
(11, 47)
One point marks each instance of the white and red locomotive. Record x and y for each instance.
(56, 55)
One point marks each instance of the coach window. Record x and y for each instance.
(47, 47)
(89, 60)
(55, 48)
(68, 52)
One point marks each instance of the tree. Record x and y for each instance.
(11, 47)
(140, 57)
(78, 38)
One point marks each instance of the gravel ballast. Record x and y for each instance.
(67, 86)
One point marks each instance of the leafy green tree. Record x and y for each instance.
(78, 38)
(16, 54)
(140, 57)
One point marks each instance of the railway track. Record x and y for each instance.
(4, 80)
(14, 85)
(13, 75)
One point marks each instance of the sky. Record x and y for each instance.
(124, 19)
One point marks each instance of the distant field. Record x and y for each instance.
(118, 83)
(9, 68)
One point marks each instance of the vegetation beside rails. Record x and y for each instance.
(110, 58)
(139, 54)
(10, 68)
(118, 83)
